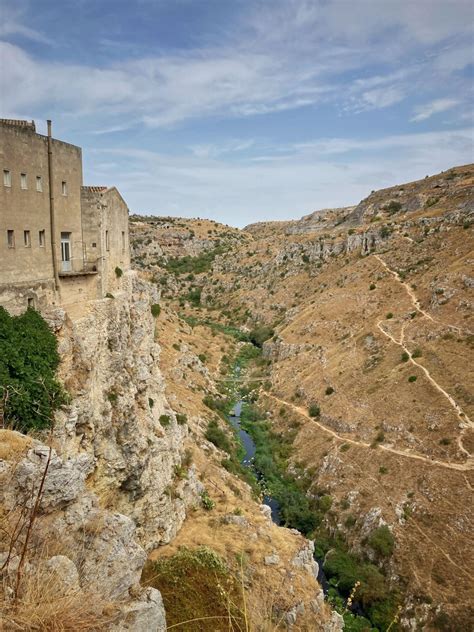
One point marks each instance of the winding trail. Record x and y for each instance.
(466, 422)
(460, 467)
(416, 303)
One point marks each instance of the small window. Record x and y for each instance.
(23, 181)
(64, 187)
(94, 244)
(27, 238)
(11, 238)
(39, 183)
(7, 178)
(31, 303)
(41, 238)
(107, 242)
(123, 241)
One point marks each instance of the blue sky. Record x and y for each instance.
(245, 110)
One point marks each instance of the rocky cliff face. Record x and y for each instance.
(111, 367)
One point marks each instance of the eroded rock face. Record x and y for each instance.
(110, 361)
(97, 549)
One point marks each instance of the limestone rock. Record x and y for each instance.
(145, 614)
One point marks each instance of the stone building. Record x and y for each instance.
(60, 243)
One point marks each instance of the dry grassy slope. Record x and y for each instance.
(276, 587)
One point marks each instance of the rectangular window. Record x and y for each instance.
(27, 238)
(123, 241)
(39, 183)
(64, 187)
(66, 265)
(23, 181)
(31, 303)
(94, 244)
(107, 243)
(7, 178)
(41, 238)
(11, 238)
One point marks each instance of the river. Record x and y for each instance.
(248, 461)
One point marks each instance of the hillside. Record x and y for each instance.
(365, 318)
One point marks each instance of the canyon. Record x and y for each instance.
(348, 336)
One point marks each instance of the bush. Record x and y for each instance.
(382, 541)
(28, 362)
(372, 286)
(202, 357)
(417, 353)
(405, 356)
(165, 420)
(181, 419)
(218, 437)
(155, 310)
(314, 410)
(260, 334)
(151, 402)
(412, 378)
(207, 501)
(445, 441)
(109, 295)
(118, 272)
(393, 207)
(329, 390)
(389, 315)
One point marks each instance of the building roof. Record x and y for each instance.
(19, 123)
(94, 189)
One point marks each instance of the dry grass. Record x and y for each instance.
(44, 605)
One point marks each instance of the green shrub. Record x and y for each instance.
(218, 437)
(314, 410)
(412, 378)
(382, 541)
(207, 501)
(28, 362)
(389, 315)
(393, 207)
(405, 356)
(202, 357)
(118, 272)
(372, 286)
(260, 334)
(417, 353)
(445, 441)
(151, 402)
(165, 420)
(109, 295)
(344, 447)
(181, 419)
(350, 521)
(155, 310)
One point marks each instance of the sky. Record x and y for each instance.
(245, 110)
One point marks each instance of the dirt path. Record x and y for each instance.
(461, 467)
(416, 303)
(466, 422)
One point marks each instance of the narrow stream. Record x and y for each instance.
(248, 461)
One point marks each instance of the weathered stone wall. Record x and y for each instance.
(22, 150)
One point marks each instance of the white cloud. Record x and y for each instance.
(307, 178)
(437, 106)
